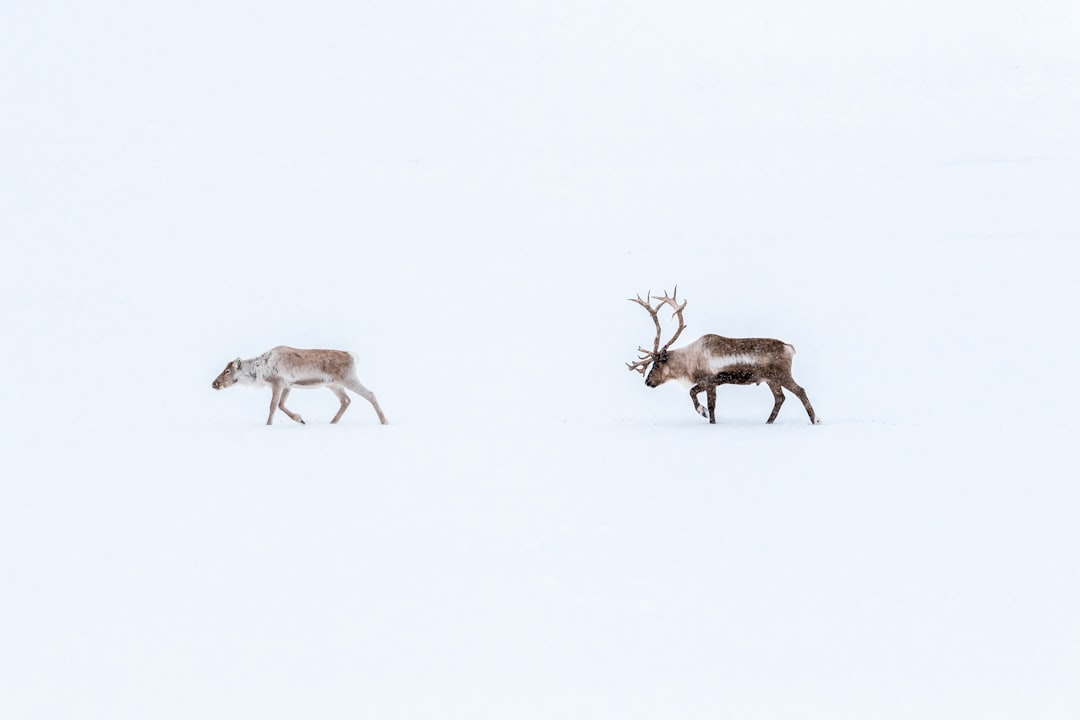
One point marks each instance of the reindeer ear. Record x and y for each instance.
(236, 362)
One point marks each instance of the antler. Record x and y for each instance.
(678, 312)
(642, 362)
(648, 356)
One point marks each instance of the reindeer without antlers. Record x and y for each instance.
(284, 368)
(713, 360)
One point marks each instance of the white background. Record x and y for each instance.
(465, 194)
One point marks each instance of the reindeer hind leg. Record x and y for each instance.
(343, 397)
(357, 387)
(793, 386)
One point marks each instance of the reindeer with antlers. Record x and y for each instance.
(713, 360)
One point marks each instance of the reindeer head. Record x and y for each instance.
(658, 356)
(229, 376)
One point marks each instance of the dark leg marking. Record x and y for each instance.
(778, 399)
(801, 394)
(694, 392)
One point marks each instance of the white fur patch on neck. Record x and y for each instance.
(719, 363)
(248, 372)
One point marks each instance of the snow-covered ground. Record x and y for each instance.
(465, 195)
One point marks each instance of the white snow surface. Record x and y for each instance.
(465, 194)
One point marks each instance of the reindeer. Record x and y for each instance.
(713, 360)
(284, 368)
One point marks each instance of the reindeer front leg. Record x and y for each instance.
(694, 392)
(710, 396)
(778, 400)
(295, 417)
(275, 398)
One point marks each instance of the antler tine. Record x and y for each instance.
(670, 300)
(643, 303)
(645, 357)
